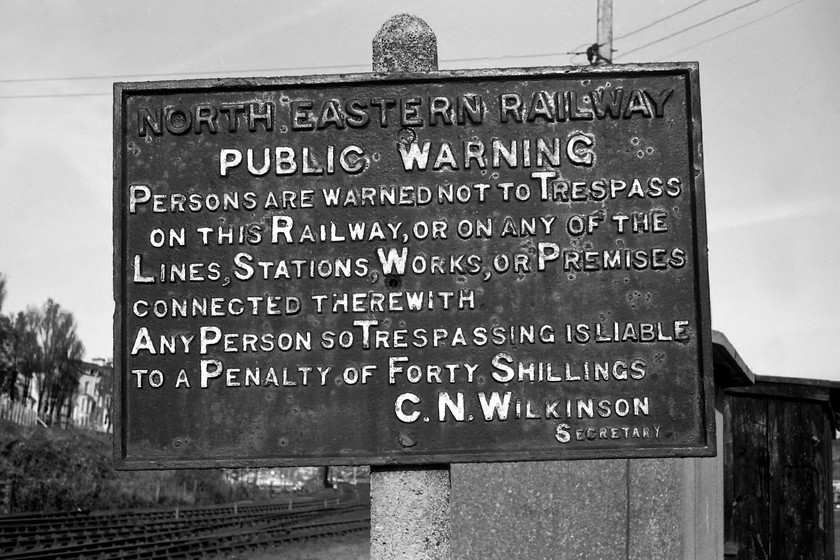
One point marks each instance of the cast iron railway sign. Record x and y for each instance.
(414, 268)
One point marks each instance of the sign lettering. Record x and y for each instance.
(460, 266)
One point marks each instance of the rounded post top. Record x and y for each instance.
(405, 43)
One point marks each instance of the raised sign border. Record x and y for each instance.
(688, 70)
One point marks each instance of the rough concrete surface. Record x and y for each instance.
(545, 510)
(657, 505)
(409, 507)
(405, 43)
(409, 514)
(611, 509)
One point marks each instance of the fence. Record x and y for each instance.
(25, 416)
(17, 413)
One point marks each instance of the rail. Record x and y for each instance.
(185, 533)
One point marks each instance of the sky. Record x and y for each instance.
(768, 76)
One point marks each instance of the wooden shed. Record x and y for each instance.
(778, 435)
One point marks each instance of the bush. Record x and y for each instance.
(67, 470)
(58, 473)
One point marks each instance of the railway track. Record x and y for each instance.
(183, 533)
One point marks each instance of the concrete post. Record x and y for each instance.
(405, 43)
(609, 509)
(409, 512)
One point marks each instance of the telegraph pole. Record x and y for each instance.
(604, 46)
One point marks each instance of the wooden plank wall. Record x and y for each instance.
(777, 465)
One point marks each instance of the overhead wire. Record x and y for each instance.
(689, 28)
(734, 29)
(176, 74)
(658, 21)
(254, 71)
(577, 51)
(53, 95)
(573, 53)
(265, 70)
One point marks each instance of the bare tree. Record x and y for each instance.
(43, 343)
(60, 359)
(23, 355)
(18, 350)
(8, 374)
